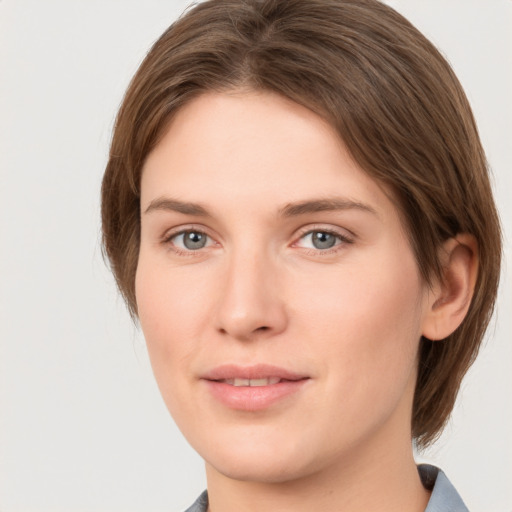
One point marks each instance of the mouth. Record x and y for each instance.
(239, 382)
(253, 388)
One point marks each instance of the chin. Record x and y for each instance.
(273, 461)
(272, 469)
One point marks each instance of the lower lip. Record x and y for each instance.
(253, 398)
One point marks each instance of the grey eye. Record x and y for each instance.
(194, 240)
(323, 240)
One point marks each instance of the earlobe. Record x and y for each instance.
(449, 300)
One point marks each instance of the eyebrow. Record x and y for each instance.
(289, 210)
(167, 204)
(324, 205)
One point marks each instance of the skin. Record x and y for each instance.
(349, 317)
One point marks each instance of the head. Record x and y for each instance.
(395, 105)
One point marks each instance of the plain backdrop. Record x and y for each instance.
(82, 425)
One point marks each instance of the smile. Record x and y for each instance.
(253, 388)
(238, 382)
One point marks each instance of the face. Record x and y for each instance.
(280, 300)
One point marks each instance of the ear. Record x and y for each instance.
(449, 300)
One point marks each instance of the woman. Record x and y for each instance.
(297, 209)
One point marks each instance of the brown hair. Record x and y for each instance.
(395, 103)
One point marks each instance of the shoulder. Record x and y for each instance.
(200, 505)
(444, 497)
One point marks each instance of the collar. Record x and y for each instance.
(444, 497)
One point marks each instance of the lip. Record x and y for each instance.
(252, 398)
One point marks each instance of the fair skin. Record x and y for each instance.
(268, 256)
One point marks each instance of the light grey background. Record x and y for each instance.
(82, 425)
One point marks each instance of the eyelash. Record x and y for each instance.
(168, 237)
(342, 240)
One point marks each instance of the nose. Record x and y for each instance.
(251, 304)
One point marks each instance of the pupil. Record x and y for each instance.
(194, 240)
(322, 240)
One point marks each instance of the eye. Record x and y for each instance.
(322, 240)
(190, 240)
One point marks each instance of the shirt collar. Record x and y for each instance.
(444, 497)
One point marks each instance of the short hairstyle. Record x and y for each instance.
(394, 101)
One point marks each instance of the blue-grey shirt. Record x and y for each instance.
(444, 497)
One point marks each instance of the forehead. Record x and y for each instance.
(254, 150)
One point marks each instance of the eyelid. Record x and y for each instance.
(176, 230)
(329, 228)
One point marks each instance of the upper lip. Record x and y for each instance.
(258, 371)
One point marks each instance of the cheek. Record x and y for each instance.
(364, 333)
(168, 300)
(168, 308)
(367, 323)
(377, 296)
